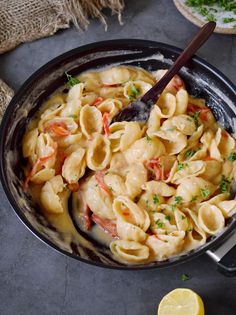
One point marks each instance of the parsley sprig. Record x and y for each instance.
(71, 81)
(224, 184)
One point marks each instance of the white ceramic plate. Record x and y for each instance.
(192, 15)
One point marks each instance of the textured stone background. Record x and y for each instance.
(36, 280)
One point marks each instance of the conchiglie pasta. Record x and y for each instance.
(90, 120)
(134, 89)
(143, 150)
(127, 210)
(123, 135)
(195, 186)
(165, 246)
(99, 153)
(74, 97)
(211, 219)
(129, 251)
(49, 195)
(135, 178)
(74, 166)
(97, 199)
(174, 141)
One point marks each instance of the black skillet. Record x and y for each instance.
(202, 80)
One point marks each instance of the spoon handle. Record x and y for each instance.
(200, 38)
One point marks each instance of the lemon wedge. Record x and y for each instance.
(181, 302)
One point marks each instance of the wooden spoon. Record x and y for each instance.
(141, 108)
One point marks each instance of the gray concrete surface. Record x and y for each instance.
(36, 280)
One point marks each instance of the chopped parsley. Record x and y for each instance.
(190, 229)
(71, 81)
(210, 17)
(178, 200)
(195, 118)
(159, 224)
(74, 116)
(167, 217)
(183, 217)
(229, 20)
(194, 198)
(148, 138)
(135, 92)
(185, 277)
(232, 157)
(206, 7)
(205, 192)
(190, 153)
(224, 184)
(180, 166)
(106, 173)
(111, 189)
(155, 199)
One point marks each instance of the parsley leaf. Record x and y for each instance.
(205, 192)
(180, 166)
(159, 224)
(135, 92)
(178, 200)
(183, 217)
(155, 199)
(167, 217)
(106, 173)
(185, 277)
(232, 157)
(224, 184)
(148, 138)
(194, 198)
(229, 20)
(195, 118)
(190, 153)
(71, 81)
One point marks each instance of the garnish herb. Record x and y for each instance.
(71, 81)
(232, 157)
(159, 224)
(184, 277)
(195, 118)
(111, 189)
(205, 192)
(155, 199)
(229, 20)
(190, 153)
(106, 173)
(167, 217)
(180, 166)
(183, 217)
(210, 17)
(194, 198)
(224, 184)
(135, 92)
(190, 229)
(178, 200)
(148, 138)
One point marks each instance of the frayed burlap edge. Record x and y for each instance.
(22, 21)
(42, 19)
(6, 94)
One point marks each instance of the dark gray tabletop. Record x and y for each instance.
(36, 280)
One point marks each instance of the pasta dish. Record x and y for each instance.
(149, 191)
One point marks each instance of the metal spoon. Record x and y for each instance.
(141, 108)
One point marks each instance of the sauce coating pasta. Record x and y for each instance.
(157, 189)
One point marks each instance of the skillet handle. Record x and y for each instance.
(225, 256)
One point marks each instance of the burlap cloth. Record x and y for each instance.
(26, 20)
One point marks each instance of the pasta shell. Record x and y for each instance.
(130, 232)
(49, 195)
(129, 251)
(99, 153)
(136, 177)
(127, 210)
(142, 150)
(74, 166)
(90, 120)
(174, 141)
(123, 135)
(211, 219)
